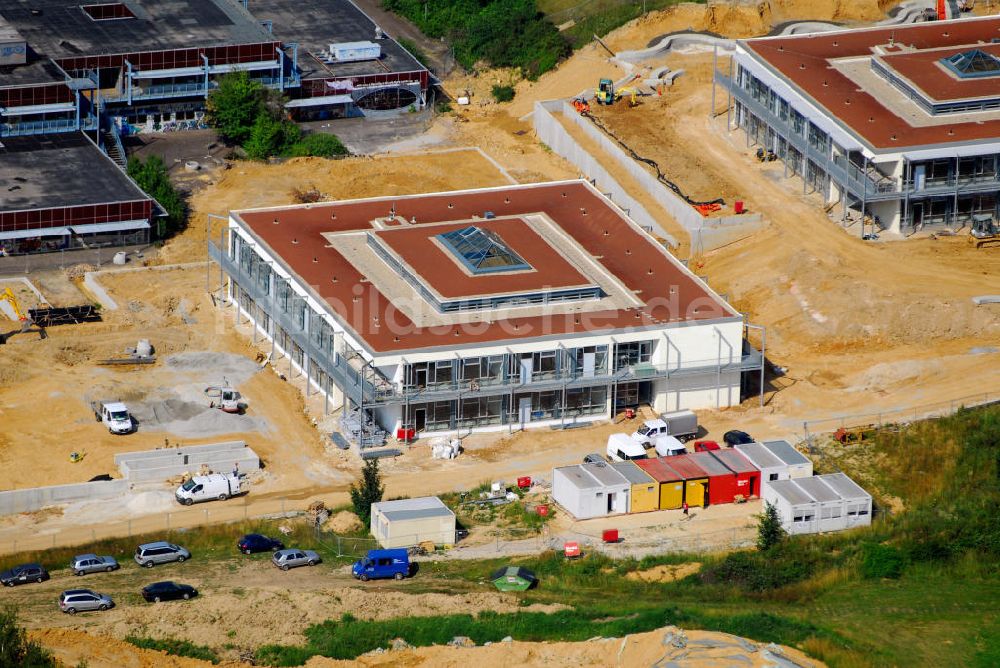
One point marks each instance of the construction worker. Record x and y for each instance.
(685, 507)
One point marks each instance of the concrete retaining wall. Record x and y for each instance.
(35, 498)
(158, 465)
(550, 131)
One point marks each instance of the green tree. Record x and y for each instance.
(15, 648)
(369, 490)
(317, 144)
(769, 529)
(234, 106)
(153, 178)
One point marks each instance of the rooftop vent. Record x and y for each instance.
(108, 11)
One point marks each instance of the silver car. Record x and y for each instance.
(285, 559)
(73, 601)
(160, 552)
(91, 563)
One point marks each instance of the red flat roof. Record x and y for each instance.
(688, 467)
(435, 265)
(668, 292)
(925, 71)
(734, 461)
(658, 470)
(804, 60)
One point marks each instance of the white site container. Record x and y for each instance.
(349, 52)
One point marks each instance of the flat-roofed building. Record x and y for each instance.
(518, 306)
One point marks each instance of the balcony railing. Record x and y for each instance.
(40, 127)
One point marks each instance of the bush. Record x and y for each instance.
(16, 649)
(367, 491)
(175, 647)
(319, 145)
(881, 561)
(152, 177)
(755, 572)
(503, 33)
(503, 93)
(769, 529)
(270, 136)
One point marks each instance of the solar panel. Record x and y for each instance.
(482, 251)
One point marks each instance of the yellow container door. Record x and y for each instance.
(671, 495)
(697, 491)
(645, 497)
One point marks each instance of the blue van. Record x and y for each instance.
(382, 564)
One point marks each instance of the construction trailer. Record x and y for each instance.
(644, 493)
(407, 522)
(590, 490)
(722, 483)
(797, 463)
(771, 467)
(747, 475)
(831, 502)
(695, 480)
(671, 483)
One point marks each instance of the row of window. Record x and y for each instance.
(498, 409)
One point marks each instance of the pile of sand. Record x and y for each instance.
(343, 522)
(665, 572)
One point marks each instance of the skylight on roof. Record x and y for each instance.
(482, 251)
(973, 64)
(108, 11)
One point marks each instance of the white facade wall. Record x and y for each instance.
(796, 518)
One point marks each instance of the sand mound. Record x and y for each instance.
(343, 522)
(665, 572)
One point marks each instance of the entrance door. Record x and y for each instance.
(918, 214)
(919, 177)
(420, 376)
(524, 410)
(589, 364)
(419, 419)
(526, 368)
(612, 498)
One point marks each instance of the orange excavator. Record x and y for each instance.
(24, 320)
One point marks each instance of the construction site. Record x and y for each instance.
(830, 320)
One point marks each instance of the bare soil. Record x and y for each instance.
(665, 572)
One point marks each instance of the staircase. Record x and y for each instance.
(113, 147)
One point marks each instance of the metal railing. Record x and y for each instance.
(37, 127)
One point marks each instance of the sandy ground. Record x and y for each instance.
(667, 646)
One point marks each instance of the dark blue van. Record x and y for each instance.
(382, 564)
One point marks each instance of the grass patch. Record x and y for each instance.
(175, 647)
(503, 93)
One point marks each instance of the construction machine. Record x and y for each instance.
(984, 231)
(606, 92)
(24, 320)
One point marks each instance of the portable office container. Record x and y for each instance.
(407, 522)
(644, 493)
(771, 468)
(796, 508)
(590, 490)
(671, 483)
(857, 502)
(695, 480)
(747, 475)
(830, 505)
(830, 502)
(722, 487)
(798, 464)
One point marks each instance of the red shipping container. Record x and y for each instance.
(609, 535)
(542, 509)
(571, 549)
(722, 483)
(747, 475)
(524, 482)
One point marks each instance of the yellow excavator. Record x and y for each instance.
(24, 320)
(607, 94)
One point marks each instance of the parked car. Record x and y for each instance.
(594, 458)
(160, 552)
(736, 437)
(167, 591)
(24, 573)
(254, 542)
(73, 601)
(293, 558)
(91, 563)
(382, 564)
(705, 446)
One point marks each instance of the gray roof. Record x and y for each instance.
(64, 169)
(315, 24)
(789, 491)
(817, 489)
(60, 29)
(411, 509)
(592, 476)
(632, 473)
(784, 451)
(759, 456)
(844, 486)
(604, 474)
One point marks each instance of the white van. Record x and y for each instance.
(115, 417)
(668, 446)
(622, 448)
(210, 487)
